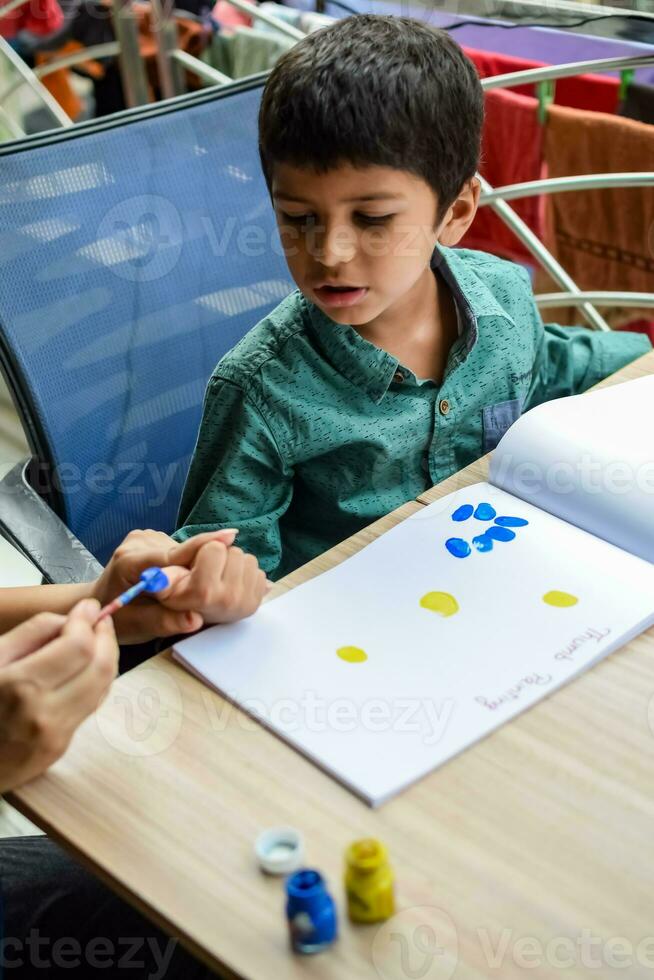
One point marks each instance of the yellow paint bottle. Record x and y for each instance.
(368, 881)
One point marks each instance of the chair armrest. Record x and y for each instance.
(36, 531)
(32, 527)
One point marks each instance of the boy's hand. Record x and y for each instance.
(206, 585)
(54, 671)
(148, 617)
(224, 585)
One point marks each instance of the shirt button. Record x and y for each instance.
(443, 406)
(399, 377)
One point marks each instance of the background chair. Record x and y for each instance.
(134, 252)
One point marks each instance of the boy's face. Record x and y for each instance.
(370, 229)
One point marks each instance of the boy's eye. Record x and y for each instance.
(297, 219)
(310, 219)
(373, 219)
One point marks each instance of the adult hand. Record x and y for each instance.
(54, 671)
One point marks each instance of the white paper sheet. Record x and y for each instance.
(589, 459)
(431, 685)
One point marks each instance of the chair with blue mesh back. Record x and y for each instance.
(133, 253)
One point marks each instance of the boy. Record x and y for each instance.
(398, 360)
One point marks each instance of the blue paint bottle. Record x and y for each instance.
(310, 911)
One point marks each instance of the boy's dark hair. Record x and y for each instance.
(375, 90)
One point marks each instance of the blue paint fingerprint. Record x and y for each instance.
(500, 533)
(511, 521)
(458, 547)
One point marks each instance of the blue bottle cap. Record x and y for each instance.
(305, 884)
(154, 580)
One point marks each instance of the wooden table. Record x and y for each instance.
(533, 846)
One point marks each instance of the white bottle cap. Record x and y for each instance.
(279, 850)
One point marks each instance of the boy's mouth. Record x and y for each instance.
(340, 295)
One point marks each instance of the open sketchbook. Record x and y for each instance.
(465, 614)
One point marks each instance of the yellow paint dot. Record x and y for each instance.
(560, 599)
(440, 602)
(352, 655)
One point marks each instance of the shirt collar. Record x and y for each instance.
(364, 364)
(472, 296)
(466, 318)
(371, 368)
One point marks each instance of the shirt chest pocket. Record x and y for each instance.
(497, 419)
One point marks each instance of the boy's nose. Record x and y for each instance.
(334, 244)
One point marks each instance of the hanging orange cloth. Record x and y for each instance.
(59, 86)
(511, 154)
(603, 238)
(59, 82)
(192, 37)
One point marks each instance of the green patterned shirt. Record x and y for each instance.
(309, 432)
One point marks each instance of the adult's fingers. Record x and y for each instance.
(43, 717)
(141, 621)
(186, 552)
(81, 695)
(145, 549)
(107, 652)
(156, 548)
(69, 653)
(29, 636)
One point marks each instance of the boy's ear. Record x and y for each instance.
(460, 214)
